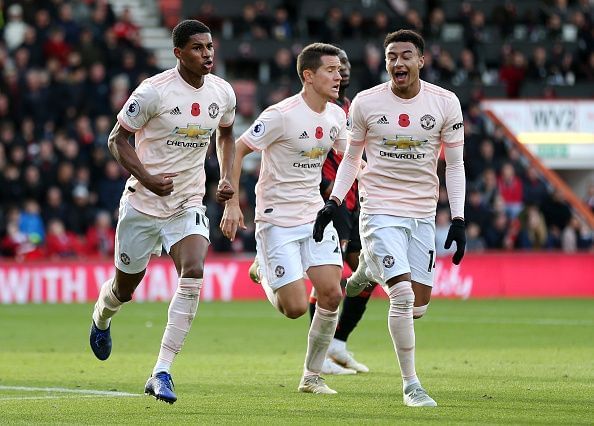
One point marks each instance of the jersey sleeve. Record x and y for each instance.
(141, 106)
(357, 125)
(268, 128)
(452, 133)
(229, 116)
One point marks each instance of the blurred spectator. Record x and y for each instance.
(355, 26)
(15, 28)
(474, 242)
(332, 30)
(512, 73)
(497, 234)
(82, 214)
(576, 236)
(281, 26)
(556, 211)
(538, 67)
(533, 235)
(436, 23)
(510, 188)
(60, 242)
(475, 210)
(125, 30)
(110, 187)
(250, 26)
(282, 68)
(30, 222)
(534, 189)
(54, 207)
(16, 243)
(100, 238)
(373, 72)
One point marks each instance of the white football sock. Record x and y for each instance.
(181, 313)
(321, 332)
(107, 306)
(401, 326)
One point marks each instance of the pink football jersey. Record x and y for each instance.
(294, 141)
(173, 122)
(402, 139)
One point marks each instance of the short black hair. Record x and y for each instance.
(185, 29)
(406, 36)
(310, 57)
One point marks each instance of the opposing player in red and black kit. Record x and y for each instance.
(346, 221)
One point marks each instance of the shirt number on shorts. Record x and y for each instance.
(431, 260)
(201, 219)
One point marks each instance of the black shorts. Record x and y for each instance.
(346, 223)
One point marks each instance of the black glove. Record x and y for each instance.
(323, 219)
(456, 233)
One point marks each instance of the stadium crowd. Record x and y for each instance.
(68, 67)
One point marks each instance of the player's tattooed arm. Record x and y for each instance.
(125, 154)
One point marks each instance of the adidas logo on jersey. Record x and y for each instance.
(304, 135)
(175, 111)
(383, 120)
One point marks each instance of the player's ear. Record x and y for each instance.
(308, 76)
(177, 52)
(421, 61)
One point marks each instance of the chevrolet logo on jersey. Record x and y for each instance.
(192, 131)
(314, 153)
(403, 142)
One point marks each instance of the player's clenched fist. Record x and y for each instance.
(224, 191)
(161, 184)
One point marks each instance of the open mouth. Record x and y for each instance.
(208, 63)
(336, 87)
(400, 76)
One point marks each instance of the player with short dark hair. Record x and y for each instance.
(346, 221)
(402, 125)
(172, 116)
(294, 136)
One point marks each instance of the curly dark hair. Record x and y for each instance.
(406, 36)
(185, 29)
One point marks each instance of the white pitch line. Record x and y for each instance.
(66, 390)
(22, 398)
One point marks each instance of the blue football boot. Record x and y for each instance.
(100, 341)
(160, 386)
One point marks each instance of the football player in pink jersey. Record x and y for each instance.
(172, 116)
(402, 125)
(346, 221)
(294, 137)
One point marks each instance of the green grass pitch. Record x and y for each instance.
(484, 362)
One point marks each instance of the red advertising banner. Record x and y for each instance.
(226, 278)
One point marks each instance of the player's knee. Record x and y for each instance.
(195, 270)
(419, 311)
(295, 311)
(331, 299)
(402, 299)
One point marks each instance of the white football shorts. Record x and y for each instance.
(285, 253)
(139, 235)
(395, 245)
